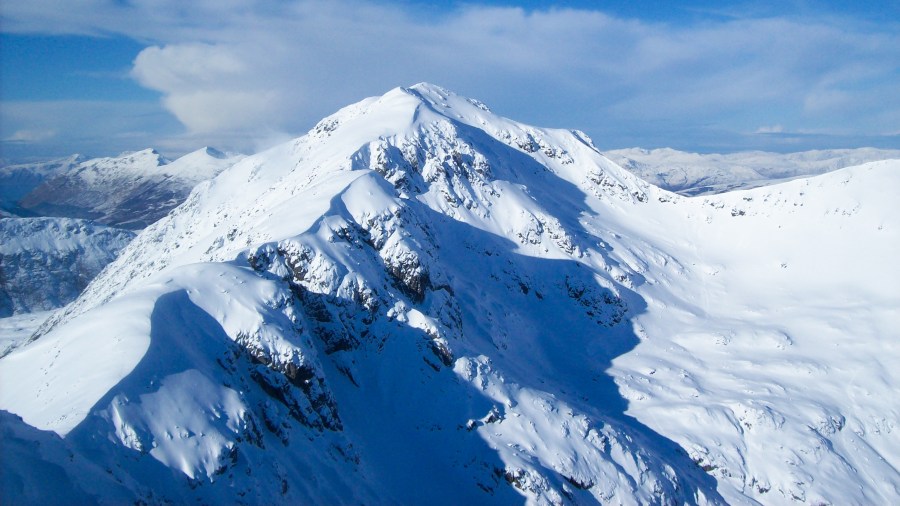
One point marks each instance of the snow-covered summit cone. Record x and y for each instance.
(131, 190)
(429, 144)
(200, 165)
(420, 301)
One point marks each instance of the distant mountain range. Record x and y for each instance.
(704, 174)
(17, 181)
(88, 210)
(128, 191)
(422, 302)
(45, 263)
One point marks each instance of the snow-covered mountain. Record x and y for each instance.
(700, 174)
(18, 180)
(422, 302)
(16, 330)
(129, 191)
(46, 262)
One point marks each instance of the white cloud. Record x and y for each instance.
(197, 66)
(234, 68)
(60, 128)
(209, 88)
(30, 136)
(773, 129)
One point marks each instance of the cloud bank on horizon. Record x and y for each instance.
(240, 74)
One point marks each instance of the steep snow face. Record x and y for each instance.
(420, 301)
(698, 174)
(46, 262)
(129, 191)
(40, 468)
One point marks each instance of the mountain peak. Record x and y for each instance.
(141, 160)
(421, 103)
(213, 152)
(588, 338)
(204, 153)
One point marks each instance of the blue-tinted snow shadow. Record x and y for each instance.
(389, 450)
(184, 337)
(553, 327)
(542, 332)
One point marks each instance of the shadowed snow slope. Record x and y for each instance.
(420, 301)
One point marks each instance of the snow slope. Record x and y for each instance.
(771, 351)
(701, 174)
(420, 301)
(46, 262)
(129, 191)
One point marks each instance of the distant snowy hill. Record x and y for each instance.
(699, 174)
(16, 181)
(129, 191)
(46, 262)
(16, 330)
(420, 302)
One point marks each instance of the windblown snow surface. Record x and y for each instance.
(420, 302)
(702, 174)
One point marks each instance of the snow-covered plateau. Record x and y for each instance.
(420, 302)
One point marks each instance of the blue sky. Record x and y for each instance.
(104, 76)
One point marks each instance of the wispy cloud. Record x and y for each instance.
(27, 136)
(279, 66)
(80, 126)
(773, 129)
